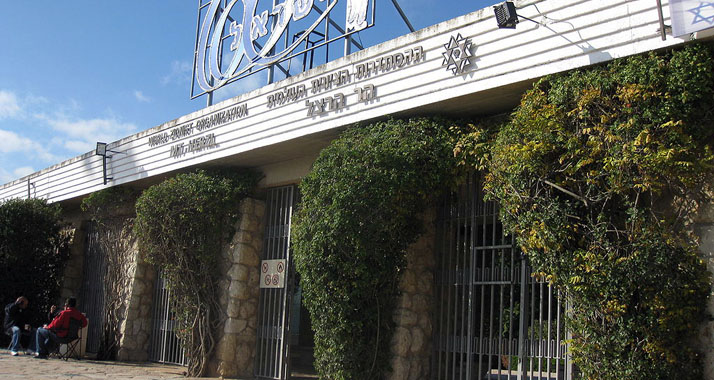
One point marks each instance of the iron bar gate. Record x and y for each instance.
(91, 294)
(165, 346)
(493, 320)
(272, 351)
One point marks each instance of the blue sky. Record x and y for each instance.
(76, 72)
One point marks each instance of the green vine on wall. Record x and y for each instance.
(182, 224)
(359, 212)
(599, 173)
(113, 211)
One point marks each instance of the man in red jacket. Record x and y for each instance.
(47, 336)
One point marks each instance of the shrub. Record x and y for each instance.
(34, 248)
(583, 171)
(181, 225)
(359, 212)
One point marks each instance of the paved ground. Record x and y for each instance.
(28, 368)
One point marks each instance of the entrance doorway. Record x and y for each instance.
(493, 320)
(302, 338)
(165, 346)
(284, 348)
(91, 294)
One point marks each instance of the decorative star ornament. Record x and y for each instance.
(707, 16)
(457, 55)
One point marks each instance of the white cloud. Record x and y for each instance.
(51, 133)
(5, 176)
(11, 142)
(141, 97)
(23, 171)
(180, 73)
(8, 105)
(240, 87)
(18, 173)
(78, 146)
(90, 129)
(83, 134)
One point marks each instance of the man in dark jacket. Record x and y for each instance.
(17, 320)
(47, 336)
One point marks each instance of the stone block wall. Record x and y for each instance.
(704, 229)
(72, 279)
(239, 289)
(134, 306)
(135, 328)
(412, 340)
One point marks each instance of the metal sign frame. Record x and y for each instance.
(257, 49)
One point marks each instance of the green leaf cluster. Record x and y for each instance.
(599, 172)
(109, 203)
(34, 247)
(181, 225)
(359, 212)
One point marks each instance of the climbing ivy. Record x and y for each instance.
(181, 225)
(599, 173)
(112, 211)
(360, 210)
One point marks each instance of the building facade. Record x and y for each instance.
(464, 67)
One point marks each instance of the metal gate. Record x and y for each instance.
(165, 346)
(493, 320)
(272, 347)
(91, 294)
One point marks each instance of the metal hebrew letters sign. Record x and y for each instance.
(238, 37)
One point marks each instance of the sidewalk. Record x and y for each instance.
(27, 368)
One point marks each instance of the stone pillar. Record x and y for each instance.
(239, 289)
(412, 340)
(72, 279)
(704, 229)
(135, 328)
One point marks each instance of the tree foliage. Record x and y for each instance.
(599, 172)
(34, 248)
(360, 210)
(182, 224)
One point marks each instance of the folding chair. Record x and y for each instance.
(71, 341)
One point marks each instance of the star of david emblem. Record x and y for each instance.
(699, 17)
(457, 55)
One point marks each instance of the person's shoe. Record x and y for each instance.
(13, 353)
(40, 356)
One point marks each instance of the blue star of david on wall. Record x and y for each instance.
(699, 17)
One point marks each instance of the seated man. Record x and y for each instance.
(47, 336)
(17, 320)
